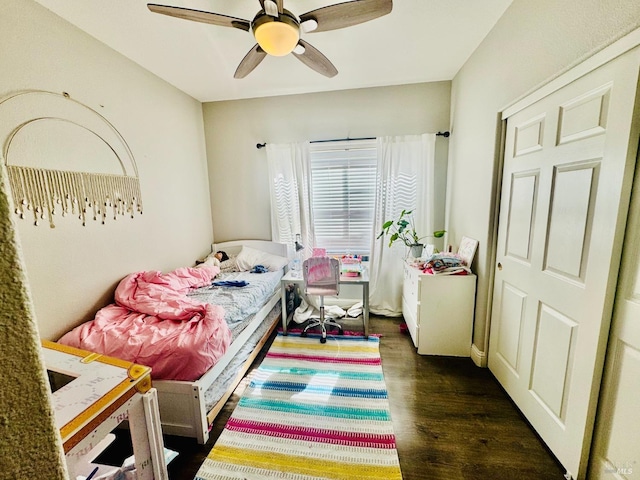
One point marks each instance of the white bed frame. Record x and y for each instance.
(182, 404)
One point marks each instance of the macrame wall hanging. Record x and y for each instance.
(43, 131)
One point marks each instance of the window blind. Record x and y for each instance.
(343, 180)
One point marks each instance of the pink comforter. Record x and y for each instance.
(154, 323)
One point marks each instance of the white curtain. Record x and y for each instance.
(289, 189)
(405, 177)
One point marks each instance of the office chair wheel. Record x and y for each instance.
(304, 333)
(323, 339)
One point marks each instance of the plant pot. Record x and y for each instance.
(416, 250)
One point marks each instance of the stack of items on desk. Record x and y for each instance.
(351, 265)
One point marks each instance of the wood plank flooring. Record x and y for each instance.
(452, 420)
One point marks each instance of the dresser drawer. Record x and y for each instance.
(410, 285)
(410, 314)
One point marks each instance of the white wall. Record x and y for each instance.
(72, 269)
(531, 43)
(238, 171)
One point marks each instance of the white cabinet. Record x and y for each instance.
(438, 310)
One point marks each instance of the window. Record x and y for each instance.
(343, 181)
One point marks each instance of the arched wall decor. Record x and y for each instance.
(30, 119)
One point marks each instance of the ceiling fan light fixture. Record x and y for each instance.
(276, 36)
(277, 30)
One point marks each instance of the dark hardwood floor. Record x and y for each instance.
(452, 420)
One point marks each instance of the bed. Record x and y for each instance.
(189, 408)
(189, 405)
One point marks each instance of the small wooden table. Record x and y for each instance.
(92, 395)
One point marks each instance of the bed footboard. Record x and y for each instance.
(182, 409)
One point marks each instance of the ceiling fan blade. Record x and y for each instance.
(200, 16)
(250, 61)
(346, 14)
(314, 59)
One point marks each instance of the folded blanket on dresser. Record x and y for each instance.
(153, 322)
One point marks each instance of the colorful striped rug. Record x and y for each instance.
(311, 411)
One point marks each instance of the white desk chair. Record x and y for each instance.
(321, 277)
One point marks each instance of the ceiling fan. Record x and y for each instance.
(277, 30)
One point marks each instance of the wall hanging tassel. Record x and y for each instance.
(45, 192)
(49, 192)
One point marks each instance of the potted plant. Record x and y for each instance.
(403, 229)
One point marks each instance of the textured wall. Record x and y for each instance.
(30, 445)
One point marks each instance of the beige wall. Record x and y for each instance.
(531, 43)
(238, 171)
(72, 270)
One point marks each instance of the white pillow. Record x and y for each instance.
(250, 257)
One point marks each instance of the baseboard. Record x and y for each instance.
(479, 357)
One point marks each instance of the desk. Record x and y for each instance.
(296, 278)
(92, 395)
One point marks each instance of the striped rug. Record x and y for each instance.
(311, 411)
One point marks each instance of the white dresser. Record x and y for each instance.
(438, 310)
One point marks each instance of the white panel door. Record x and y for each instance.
(616, 446)
(566, 182)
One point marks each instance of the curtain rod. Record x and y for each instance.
(262, 145)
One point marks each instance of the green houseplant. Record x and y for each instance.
(403, 230)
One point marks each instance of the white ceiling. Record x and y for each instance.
(419, 41)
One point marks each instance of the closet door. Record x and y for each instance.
(566, 182)
(616, 446)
